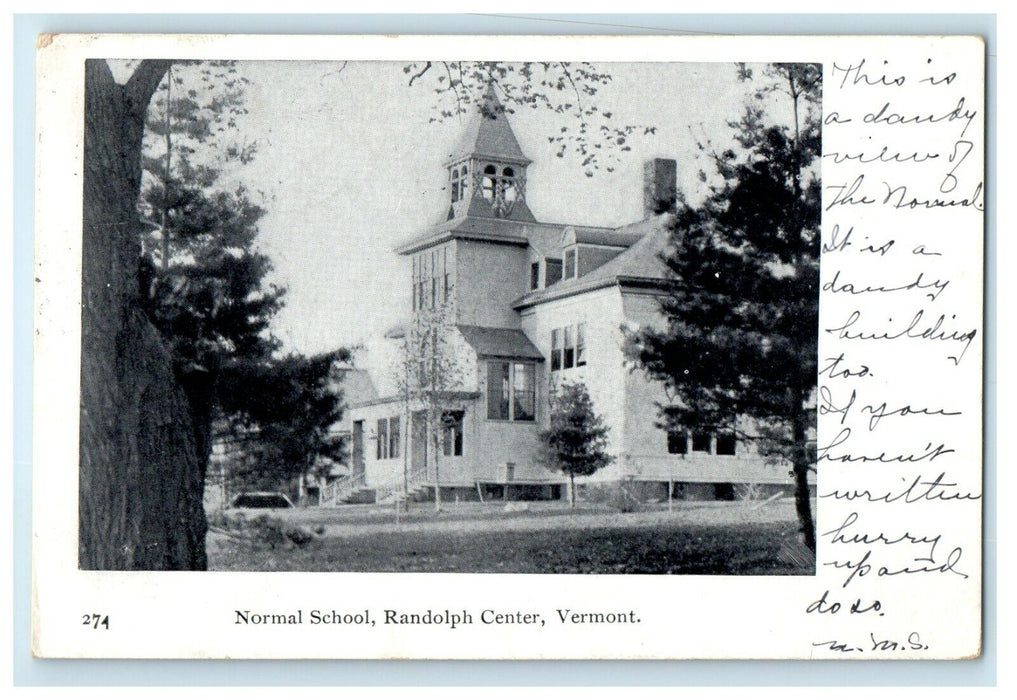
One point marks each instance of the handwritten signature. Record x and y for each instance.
(913, 642)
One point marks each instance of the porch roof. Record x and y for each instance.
(509, 343)
(399, 399)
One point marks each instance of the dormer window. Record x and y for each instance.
(570, 263)
(553, 271)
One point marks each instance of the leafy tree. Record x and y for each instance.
(430, 376)
(560, 87)
(576, 441)
(738, 352)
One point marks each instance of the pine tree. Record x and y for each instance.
(739, 350)
(204, 282)
(576, 441)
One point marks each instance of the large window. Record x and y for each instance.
(511, 391)
(498, 390)
(580, 344)
(524, 399)
(388, 438)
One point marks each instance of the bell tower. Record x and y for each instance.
(487, 172)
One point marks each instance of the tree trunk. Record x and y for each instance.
(140, 480)
(802, 464)
(572, 490)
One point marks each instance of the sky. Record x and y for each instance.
(350, 164)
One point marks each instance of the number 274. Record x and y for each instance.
(95, 621)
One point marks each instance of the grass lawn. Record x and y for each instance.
(693, 540)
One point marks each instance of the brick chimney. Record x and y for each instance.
(660, 186)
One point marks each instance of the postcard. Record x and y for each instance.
(419, 347)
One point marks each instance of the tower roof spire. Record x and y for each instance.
(489, 134)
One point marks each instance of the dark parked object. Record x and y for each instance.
(262, 500)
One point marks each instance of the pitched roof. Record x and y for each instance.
(505, 231)
(509, 343)
(590, 235)
(357, 386)
(640, 264)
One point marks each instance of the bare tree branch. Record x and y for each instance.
(421, 73)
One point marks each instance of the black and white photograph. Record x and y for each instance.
(350, 348)
(450, 316)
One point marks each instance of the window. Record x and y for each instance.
(569, 355)
(448, 275)
(497, 390)
(393, 437)
(524, 399)
(556, 349)
(553, 272)
(507, 188)
(726, 444)
(383, 438)
(511, 391)
(570, 264)
(535, 275)
(489, 184)
(701, 442)
(459, 180)
(455, 184)
(677, 442)
(388, 438)
(568, 347)
(452, 434)
(432, 278)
